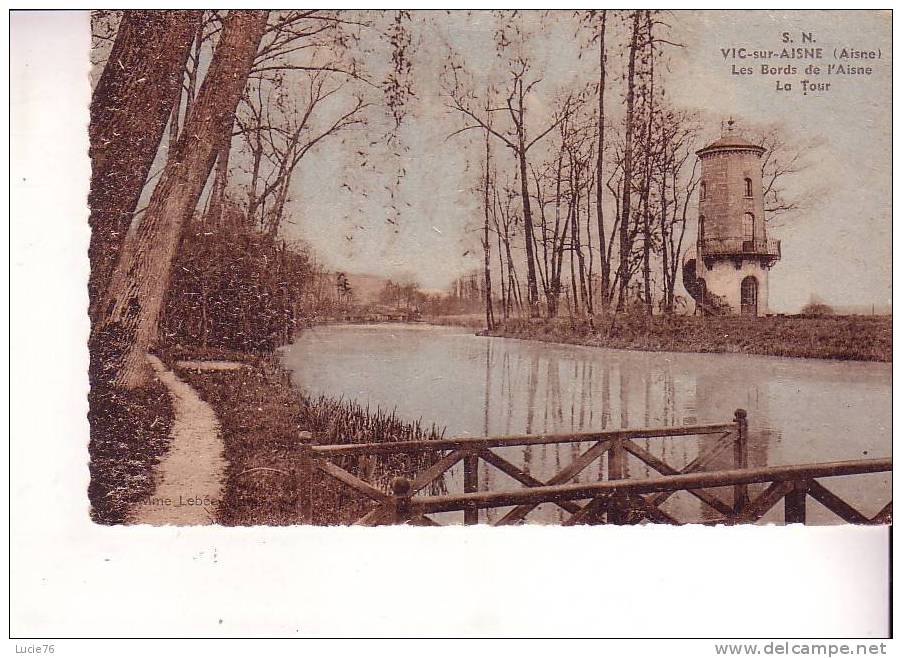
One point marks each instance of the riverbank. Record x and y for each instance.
(263, 421)
(850, 338)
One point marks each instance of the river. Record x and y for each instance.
(799, 410)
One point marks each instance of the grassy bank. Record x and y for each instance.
(858, 338)
(262, 416)
(129, 433)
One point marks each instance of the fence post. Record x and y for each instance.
(303, 481)
(616, 458)
(471, 485)
(794, 503)
(741, 458)
(402, 490)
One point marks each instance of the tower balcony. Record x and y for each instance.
(767, 250)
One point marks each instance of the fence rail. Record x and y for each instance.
(783, 480)
(616, 500)
(346, 449)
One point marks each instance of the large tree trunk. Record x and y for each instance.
(131, 105)
(626, 244)
(141, 278)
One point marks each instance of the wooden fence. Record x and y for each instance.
(616, 500)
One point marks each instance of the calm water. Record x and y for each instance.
(799, 410)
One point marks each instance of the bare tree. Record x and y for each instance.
(506, 221)
(785, 158)
(549, 182)
(676, 178)
(515, 135)
(280, 129)
(648, 93)
(487, 204)
(604, 250)
(205, 35)
(304, 65)
(561, 182)
(626, 237)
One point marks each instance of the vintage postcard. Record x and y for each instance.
(490, 267)
(334, 278)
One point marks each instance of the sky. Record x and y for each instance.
(837, 250)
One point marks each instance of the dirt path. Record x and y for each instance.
(189, 477)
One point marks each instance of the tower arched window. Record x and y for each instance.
(748, 187)
(704, 192)
(701, 228)
(748, 226)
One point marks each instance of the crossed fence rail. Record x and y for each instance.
(616, 500)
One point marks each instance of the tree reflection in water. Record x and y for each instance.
(799, 410)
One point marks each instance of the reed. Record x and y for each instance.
(340, 421)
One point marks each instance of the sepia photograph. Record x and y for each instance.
(485, 267)
(394, 270)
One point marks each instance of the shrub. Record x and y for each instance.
(234, 288)
(817, 309)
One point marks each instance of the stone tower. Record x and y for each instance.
(728, 272)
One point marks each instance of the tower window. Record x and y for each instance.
(701, 228)
(704, 192)
(748, 187)
(748, 296)
(748, 226)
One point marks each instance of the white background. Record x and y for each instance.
(70, 578)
